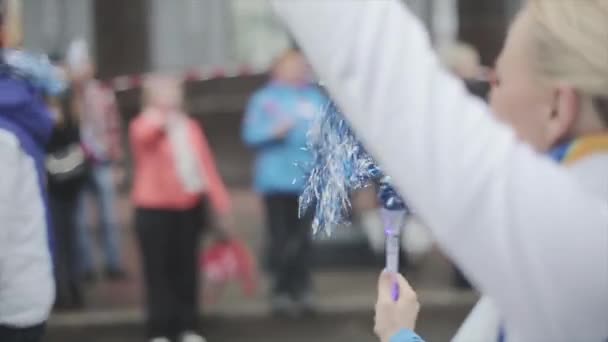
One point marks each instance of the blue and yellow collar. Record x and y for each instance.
(581, 148)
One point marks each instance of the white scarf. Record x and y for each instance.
(186, 160)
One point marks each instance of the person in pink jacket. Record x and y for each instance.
(175, 175)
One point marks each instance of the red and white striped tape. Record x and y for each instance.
(123, 83)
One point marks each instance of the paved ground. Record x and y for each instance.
(435, 325)
(345, 296)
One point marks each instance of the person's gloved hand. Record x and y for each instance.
(393, 316)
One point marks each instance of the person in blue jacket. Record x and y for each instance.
(275, 126)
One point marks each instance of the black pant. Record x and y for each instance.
(169, 242)
(289, 245)
(30, 334)
(69, 290)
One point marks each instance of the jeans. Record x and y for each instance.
(169, 241)
(100, 185)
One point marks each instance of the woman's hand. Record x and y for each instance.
(393, 316)
(283, 128)
(158, 116)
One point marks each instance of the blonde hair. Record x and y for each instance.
(570, 39)
(163, 88)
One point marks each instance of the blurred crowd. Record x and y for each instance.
(72, 124)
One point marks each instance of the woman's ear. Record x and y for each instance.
(565, 111)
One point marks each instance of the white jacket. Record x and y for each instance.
(27, 285)
(484, 321)
(522, 228)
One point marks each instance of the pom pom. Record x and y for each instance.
(340, 165)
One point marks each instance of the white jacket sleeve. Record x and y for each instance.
(515, 222)
(27, 287)
(481, 325)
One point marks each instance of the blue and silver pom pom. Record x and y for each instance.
(340, 166)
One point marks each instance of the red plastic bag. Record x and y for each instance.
(226, 261)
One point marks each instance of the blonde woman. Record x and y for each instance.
(531, 234)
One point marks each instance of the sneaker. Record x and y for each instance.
(306, 304)
(192, 337)
(160, 339)
(281, 304)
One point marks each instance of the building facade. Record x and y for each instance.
(145, 35)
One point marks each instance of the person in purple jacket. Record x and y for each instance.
(26, 277)
(27, 288)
